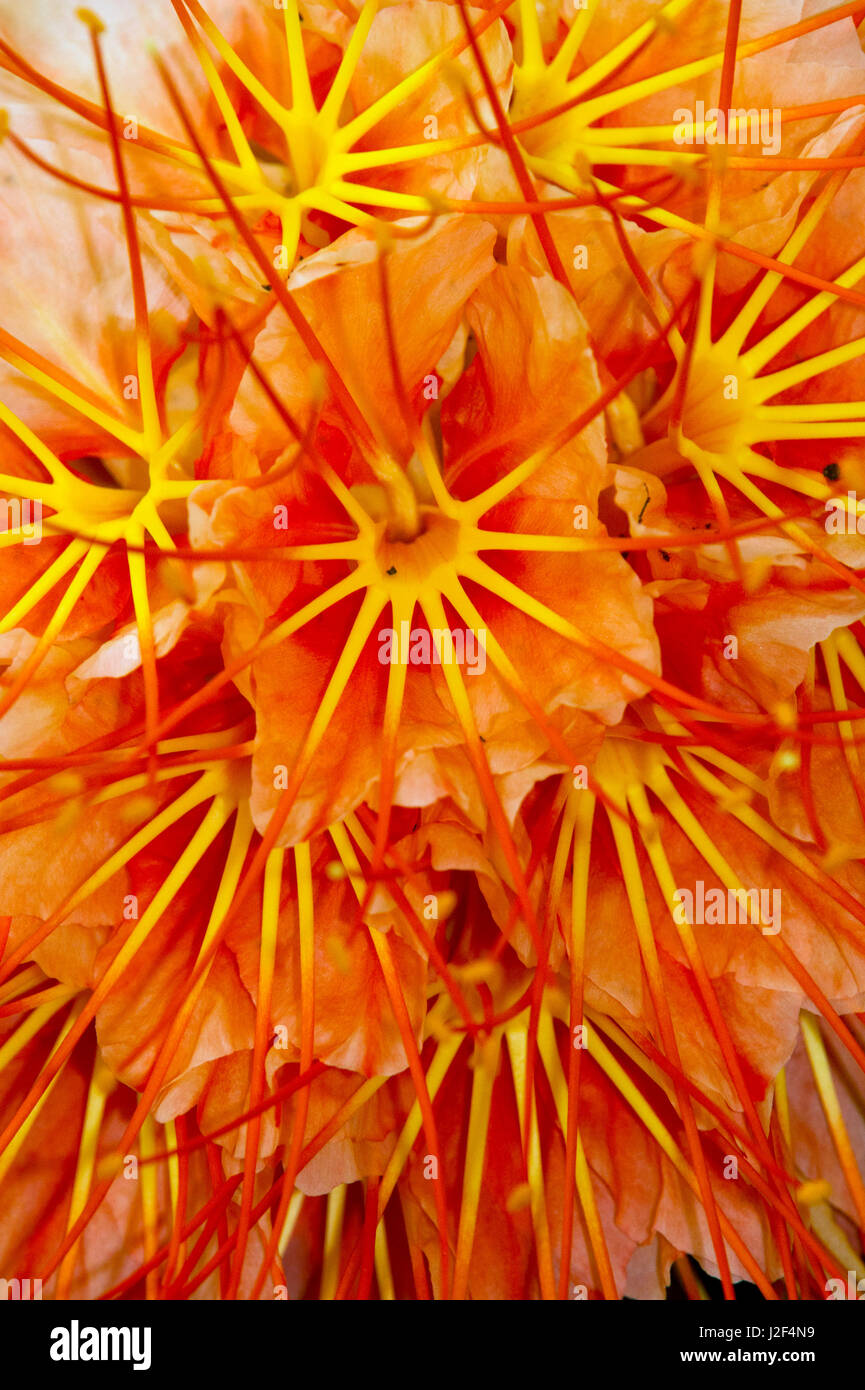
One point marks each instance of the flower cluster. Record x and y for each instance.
(431, 813)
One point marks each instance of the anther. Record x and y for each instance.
(93, 22)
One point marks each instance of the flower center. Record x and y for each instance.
(419, 563)
(309, 151)
(557, 138)
(717, 404)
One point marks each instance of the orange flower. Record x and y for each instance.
(431, 813)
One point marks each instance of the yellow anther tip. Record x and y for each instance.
(785, 715)
(447, 902)
(109, 1166)
(137, 808)
(93, 22)
(484, 972)
(519, 1197)
(67, 783)
(809, 1193)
